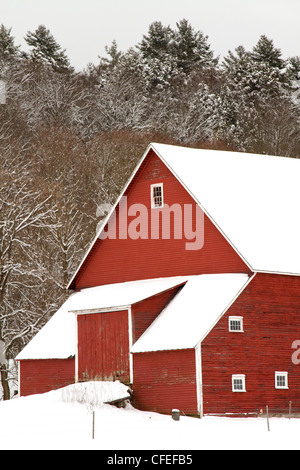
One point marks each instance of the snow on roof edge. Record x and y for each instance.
(169, 331)
(56, 340)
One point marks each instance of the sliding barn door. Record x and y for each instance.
(103, 346)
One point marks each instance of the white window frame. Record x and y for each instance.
(153, 205)
(281, 374)
(241, 377)
(240, 319)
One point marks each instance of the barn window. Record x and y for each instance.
(238, 383)
(281, 380)
(236, 324)
(157, 197)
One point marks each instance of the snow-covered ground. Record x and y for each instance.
(62, 420)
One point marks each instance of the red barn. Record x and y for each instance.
(190, 291)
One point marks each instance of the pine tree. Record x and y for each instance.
(156, 44)
(293, 75)
(191, 48)
(294, 67)
(253, 75)
(113, 53)
(265, 52)
(46, 49)
(235, 65)
(166, 53)
(261, 116)
(156, 60)
(8, 50)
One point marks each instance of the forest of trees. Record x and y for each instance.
(70, 140)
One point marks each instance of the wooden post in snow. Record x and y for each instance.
(268, 424)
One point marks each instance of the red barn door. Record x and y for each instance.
(103, 346)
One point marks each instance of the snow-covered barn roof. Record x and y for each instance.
(57, 339)
(182, 324)
(253, 199)
(125, 294)
(191, 314)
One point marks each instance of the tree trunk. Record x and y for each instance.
(4, 382)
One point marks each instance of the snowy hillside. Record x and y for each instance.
(63, 420)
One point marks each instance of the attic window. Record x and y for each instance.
(157, 197)
(236, 324)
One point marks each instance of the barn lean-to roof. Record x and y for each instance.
(191, 314)
(182, 324)
(57, 339)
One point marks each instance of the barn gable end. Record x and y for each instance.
(119, 260)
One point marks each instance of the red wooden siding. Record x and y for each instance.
(144, 312)
(164, 380)
(120, 260)
(103, 346)
(44, 375)
(270, 307)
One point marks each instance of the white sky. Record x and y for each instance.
(85, 27)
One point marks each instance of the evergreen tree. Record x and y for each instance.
(265, 52)
(253, 75)
(191, 48)
(46, 49)
(113, 53)
(156, 44)
(293, 76)
(8, 50)
(235, 64)
(293, 73)
(156, 60)
(258, 100)
(166, 53)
